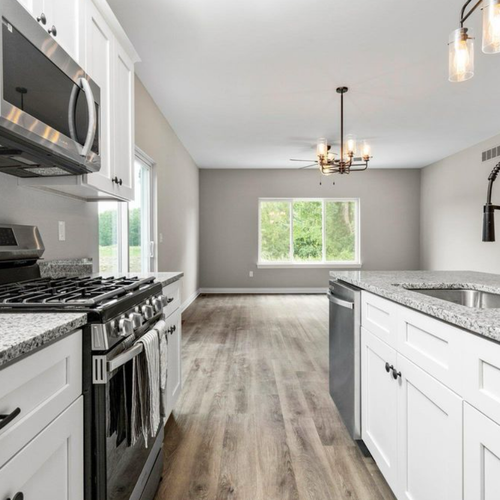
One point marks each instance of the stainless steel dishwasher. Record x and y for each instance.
(345, 354)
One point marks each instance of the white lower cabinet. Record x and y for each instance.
(481, 456)
(379, 404)
(174, 380)
(51, 465)
(429, 437)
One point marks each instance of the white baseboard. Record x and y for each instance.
(190, 300)
(262, 290)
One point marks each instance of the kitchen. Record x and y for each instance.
(210, 288)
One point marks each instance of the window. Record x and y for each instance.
(309, 232)
(126, 230)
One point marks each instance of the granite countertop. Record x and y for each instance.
(390, 284)
(23, 333)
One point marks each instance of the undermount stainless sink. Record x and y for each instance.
(462, 296)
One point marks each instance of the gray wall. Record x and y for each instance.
(229, 222)
(452, 196)
(178, 190)
(22, 205)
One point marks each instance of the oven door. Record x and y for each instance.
(121, 471)
(46, 98)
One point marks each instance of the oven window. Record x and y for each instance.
(35, 85)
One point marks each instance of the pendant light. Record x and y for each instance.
(461, 44)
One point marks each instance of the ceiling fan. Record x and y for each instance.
(347, 162)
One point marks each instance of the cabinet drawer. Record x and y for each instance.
(41, 386)
(481, 456)
(378, 316)
(432, 345)
(481, 372)
(50, 466)
(173, 294)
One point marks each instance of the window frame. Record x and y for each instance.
(122, 221)
(291, 264)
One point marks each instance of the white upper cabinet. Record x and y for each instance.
(123, 123)
(99, 45)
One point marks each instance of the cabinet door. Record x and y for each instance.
(51, 465)
(123, 123)
(67, 17)
(98, 63)
(429, 437)
(379, 404)
(481, 456)
(174, 380)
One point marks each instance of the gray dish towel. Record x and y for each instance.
(145, 418)
(160, 327)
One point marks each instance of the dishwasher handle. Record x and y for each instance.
(340, 302)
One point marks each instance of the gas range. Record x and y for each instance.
(116, 306)
(120, 310)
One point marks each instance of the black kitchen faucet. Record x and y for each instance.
(489, 209)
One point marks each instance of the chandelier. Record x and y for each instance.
(348, 161)
(461, 45)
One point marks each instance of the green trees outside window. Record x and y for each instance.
(308, 231)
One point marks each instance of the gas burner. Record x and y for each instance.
(70, 293)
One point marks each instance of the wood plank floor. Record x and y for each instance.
(255, 420)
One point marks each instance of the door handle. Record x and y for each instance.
(340, 302)
(92, 117)
(5, 420)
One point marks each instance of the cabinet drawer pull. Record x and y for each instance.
(395, 374)
(53, 31)
(388, 367)
(5, 420)
(18, 496)
(42, 19)
(172, 329)
(170, 299)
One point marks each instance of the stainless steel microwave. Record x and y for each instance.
(49, 107)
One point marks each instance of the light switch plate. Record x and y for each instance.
(250, 274)
(62, 230)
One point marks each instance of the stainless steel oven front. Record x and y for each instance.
(49, 106)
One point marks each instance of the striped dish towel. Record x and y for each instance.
(160, 327)
(146, 388)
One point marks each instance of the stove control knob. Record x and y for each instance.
(136, 319)
(125, 327)
(148, 311)
(159, 303)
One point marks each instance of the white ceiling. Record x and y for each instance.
(252, 84)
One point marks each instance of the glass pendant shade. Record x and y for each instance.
(351, 144)
(365, 151)
(491, 27)
(322, 148)
(461, 56)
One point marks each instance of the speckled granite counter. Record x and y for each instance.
(23, 333)
(65, 268)
(389, 284)
(164, 278)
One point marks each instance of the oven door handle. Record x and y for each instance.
(92, 117)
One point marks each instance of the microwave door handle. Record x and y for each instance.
(92, 117)
(72, 112)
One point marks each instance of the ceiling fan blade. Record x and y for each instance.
(294, 159)
(309, 166)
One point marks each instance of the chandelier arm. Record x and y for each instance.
(342, 127)
(359, 169)
(463, 15)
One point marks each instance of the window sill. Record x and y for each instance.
(308, 265)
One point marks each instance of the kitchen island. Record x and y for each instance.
(430, 381)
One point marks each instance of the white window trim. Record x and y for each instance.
(356, 264)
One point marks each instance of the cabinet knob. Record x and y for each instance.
(53, 31)
(18, 496)
(388, 367)
(395, 374)
(121, 182)
(42, 19)
(172, 329)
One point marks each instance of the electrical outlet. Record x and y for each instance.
(160, 237)
(62, 230)
(250, 274)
